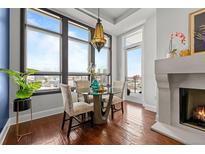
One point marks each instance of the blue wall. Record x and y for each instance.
(4, 63)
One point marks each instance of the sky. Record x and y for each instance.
(43, 49)
(134, 62)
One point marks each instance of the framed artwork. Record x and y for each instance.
(197, 31)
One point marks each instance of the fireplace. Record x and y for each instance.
(192, 108)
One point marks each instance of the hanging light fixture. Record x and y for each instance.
(98, 40)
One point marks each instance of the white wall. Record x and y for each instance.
(170, 20)
(42, 102)
(149, 58)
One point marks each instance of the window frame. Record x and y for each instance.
(23, 45)
(63, 73)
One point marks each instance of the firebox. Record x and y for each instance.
(192, 108)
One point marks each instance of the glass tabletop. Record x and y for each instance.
(105, 92)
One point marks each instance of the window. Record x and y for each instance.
(134, 63)
(102, 62)
(43, 48)
(48, 37)
(78, 49)
(133, 39)
(79, 32)
(43, 20)
(44, 55)
(134, 76)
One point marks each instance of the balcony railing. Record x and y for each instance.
(134, 84)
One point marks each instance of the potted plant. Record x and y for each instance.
(172, 51)
(26, 89)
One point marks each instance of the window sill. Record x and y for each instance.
(47, 92)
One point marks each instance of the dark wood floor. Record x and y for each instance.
(133, 127)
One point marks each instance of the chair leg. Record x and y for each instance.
(69, 127)
(64, 115)
(92, 119)
(83, 118)
(112, 111)
(122, 107)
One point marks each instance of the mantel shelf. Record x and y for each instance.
(190, 64)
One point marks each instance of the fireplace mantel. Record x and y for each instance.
(189, 64)
(168, 100)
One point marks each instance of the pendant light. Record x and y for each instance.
(98, 40)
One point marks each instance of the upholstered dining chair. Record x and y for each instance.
(117, 98)
(72, 108)
(83, 86)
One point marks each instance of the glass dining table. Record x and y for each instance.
(101, 112)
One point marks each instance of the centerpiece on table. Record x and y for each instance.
(181, 39)
(94, 82)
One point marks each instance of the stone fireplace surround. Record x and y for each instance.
(172, 74)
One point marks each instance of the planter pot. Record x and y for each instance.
(23, 104)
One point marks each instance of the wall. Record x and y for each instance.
(149, 59)
(4, 63)
(42, 104)
(170, 20)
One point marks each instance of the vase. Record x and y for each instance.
(95, 86)
(171, 54)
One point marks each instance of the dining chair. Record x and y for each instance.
(72, 108)
(117, 98)
(83, 86)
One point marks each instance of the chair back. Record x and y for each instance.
(82, 86)
(67, 98)
(119, 85)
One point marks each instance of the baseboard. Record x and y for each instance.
(36, 115)
(4, 131)
(150, 107)
(134, 99)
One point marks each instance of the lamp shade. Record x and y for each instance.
(98, 40)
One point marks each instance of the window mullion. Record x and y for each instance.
(64, 50)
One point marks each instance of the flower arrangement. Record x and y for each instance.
(92, 71)
(180, 36)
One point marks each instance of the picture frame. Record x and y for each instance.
(197, 31)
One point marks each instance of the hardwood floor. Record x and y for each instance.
(132, 127)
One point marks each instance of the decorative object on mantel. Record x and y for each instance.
(98, 41)
(173, 51)
(185, 52)
(23, 95)
(197, 31)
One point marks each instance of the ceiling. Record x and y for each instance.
(115, 21)
(112, 15)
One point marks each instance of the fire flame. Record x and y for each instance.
(199, 113)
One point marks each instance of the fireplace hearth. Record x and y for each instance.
(192, 108)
